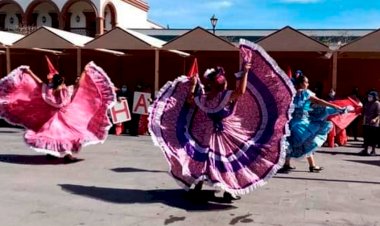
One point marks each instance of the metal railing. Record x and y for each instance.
(26, 30)
(83, 31)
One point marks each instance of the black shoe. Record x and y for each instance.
(289, 167)
(70, 159)
(286, 168)
(373, 153)
(364, 152)
(228, 197)
(198, 186)
(315, 169)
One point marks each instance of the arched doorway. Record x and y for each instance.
(79, 16)
(109, 15)
(42, 13)
(11, 15)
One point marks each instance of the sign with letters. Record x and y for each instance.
(141, 103)
(120, 112)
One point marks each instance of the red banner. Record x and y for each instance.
(343, 120)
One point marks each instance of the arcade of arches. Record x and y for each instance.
(77, 16)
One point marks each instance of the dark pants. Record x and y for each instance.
(133, 125)
(352, 129)
(371, 136)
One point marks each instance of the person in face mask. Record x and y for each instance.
(123, 94)
(331, 96)
(371, 123)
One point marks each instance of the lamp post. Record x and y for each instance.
(213, 21)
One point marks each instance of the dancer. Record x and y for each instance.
(231, 139)
(60, 120)
(308, 132)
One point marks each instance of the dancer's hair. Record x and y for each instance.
(299, 80)
(216, 78)
(57, 81)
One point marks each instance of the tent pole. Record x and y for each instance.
(156, 69)
(79, 61)
(335, 70)
(8, 59)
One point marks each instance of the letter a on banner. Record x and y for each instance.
(141, 103)
(120, 112)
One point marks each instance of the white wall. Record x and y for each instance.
(40, 18)
(43, 11)
(129, 16)
(76, 12)
(107, 20)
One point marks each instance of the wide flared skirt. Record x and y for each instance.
(251, 145)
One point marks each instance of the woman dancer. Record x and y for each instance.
(308, 128)
(60, 120)
(232, 139)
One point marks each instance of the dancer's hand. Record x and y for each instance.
(342, 110)
(247, 66)
(374, 121)
(27, 70)
(193, 80)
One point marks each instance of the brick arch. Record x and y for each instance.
(7, 2)
(91, 28)
(113, 12)
(69, 3)
(29, 10)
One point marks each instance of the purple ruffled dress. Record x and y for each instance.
(235, 146)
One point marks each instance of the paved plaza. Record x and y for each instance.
(125, 182)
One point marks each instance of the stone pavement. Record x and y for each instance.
(124, 182)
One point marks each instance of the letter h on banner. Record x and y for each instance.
(120, 112)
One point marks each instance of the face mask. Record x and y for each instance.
(124, 89)
(370, 98)
(332, 94)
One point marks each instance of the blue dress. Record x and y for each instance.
(308, 126)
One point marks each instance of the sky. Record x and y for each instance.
(266, 14)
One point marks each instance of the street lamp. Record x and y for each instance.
(213, 21)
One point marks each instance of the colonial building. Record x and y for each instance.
(86, 17)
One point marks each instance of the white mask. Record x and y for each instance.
(370, 98)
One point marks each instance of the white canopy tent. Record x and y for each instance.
(6, 40)
(50, 38)
(125, 39)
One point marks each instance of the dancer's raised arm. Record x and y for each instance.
(193, 84)
(241, 82)
(35, 77)
(322, 102)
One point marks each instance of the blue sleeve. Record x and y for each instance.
(308, 93)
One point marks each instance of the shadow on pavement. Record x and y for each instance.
(32, 160)
(353, 145)
(369, 162)
(327, 180)
(338, 153)
(135, 170)
(205, 201)
(9, 131)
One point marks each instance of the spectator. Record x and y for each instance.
(371, 123)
